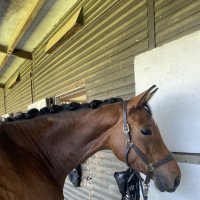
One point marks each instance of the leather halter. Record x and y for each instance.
(149, 166)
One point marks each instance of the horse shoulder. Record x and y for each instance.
(9, 190)
(27, 186)
(6, 195)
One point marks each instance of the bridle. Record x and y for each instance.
(149, 166)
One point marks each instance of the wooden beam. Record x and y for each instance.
(22, 54)
(191, 158)
(3, 49)
(4, 57)
(151, 24)
(17, 52)
(4, 98)
(2, 85)
(21, 29)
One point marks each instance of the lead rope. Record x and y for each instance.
(144, 184)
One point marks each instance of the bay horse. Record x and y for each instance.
(37, 154)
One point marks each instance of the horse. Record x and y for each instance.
(37, 154)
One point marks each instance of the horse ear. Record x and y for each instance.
(143, 98)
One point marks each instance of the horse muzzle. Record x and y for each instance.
(162, 184)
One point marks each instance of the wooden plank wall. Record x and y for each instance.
(113, 74)
(83, 192)
(103, 165)
(174, 19)
(2, 102)
(68, 64)
(19, 97)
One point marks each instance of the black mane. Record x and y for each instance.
(34, 112)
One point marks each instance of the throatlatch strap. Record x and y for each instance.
(140, 154)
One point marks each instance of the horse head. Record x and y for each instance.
(149, 153)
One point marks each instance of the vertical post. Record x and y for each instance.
(32, 78)
(4, 98)
(151, 23)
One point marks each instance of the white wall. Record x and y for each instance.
(175, 69)
(189, 188)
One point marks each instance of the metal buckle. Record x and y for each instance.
(150, 167)
(129, 143)
(126, 128)
(145, 189)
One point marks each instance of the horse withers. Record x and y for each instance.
(37, 154)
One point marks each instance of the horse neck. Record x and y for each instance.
(62, 141)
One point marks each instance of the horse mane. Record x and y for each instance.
(34, 112)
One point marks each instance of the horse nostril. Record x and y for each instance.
(177, 181)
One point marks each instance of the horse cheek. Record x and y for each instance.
(118, 146)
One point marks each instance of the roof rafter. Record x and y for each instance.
(2, 85)
(17, 52)
(19, 32)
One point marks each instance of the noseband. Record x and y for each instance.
(149, 166)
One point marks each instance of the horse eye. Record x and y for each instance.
(145, 131)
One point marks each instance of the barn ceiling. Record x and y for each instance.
(23, 24)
